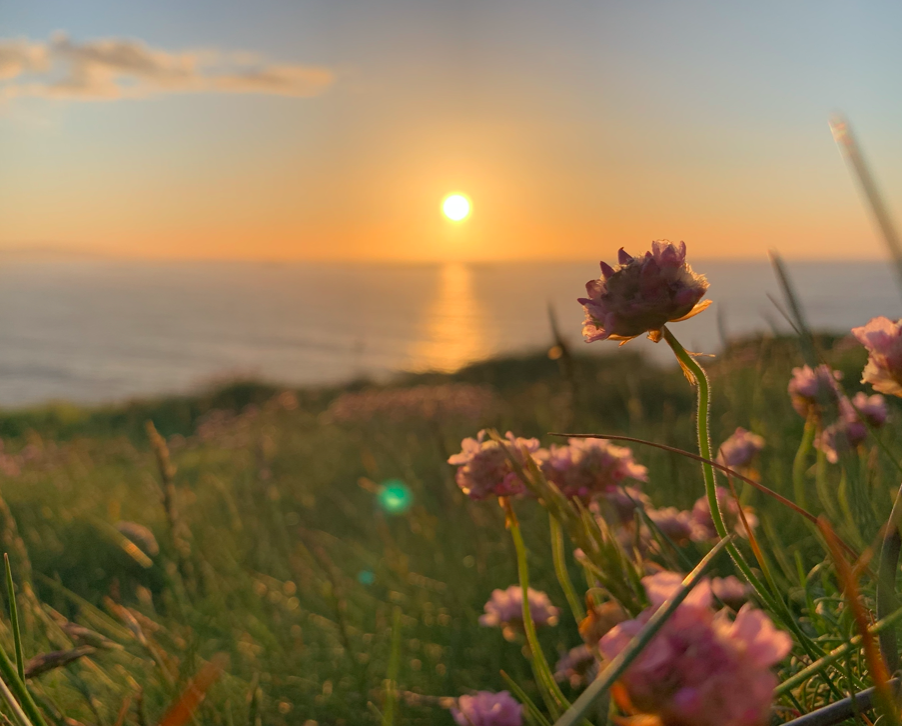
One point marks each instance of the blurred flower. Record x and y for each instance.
(729, 509)
(488, 709)
(642, 294)
(811, 389)
(578, 666)
(701, 668)
(484, 467)
(738, 451)
(731, 591)
(622, 503)
(505, 610)
(883, 340)
(843, 435)
(679, 526)
(871, 408)
(588, 467)
(419, 403)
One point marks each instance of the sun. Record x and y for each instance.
(456, 207)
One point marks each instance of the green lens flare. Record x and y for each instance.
(395, 497)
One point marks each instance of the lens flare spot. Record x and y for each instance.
(394, 497)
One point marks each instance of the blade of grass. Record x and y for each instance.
(618, 665)
(560, 569)
(14, 618)
(533, 710)
(13, 704)
(183, 709)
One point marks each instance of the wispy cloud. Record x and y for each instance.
(113, 68)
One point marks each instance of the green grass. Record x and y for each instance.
(291, 569)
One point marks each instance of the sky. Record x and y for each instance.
(332, 129)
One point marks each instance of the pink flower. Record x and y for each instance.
(488, 709)
(622, 504)
(677, 525)
(701, 668)
(586, 468)
(871, 408)
(505, 610)
(729, 509)
(642, 294)
(883, 340)
(578, 666)
(738, 451)
(812, 390)
(731, 591)
(844, 435)
(485, 468)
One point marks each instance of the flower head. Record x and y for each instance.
(488, 709)
(586, 468)
(883, 340)
(843, 435)
(484, 466)
(810, 390)
(678, 525)
(871, 408)
(738, 451)
(505, 610)
(701, 668)
(642, 294)
(729, 509)
(730, 590)
(578, 666)
(622, 503)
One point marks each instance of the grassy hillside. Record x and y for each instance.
(284, 559)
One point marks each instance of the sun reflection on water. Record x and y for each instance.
(453, 331)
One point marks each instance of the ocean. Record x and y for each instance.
(98, 330)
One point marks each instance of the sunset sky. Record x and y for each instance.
(333, 129)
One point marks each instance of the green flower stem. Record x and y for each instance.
(798, 464)
(554, 697)
(560, 568)
(774, 603)
(619, 664)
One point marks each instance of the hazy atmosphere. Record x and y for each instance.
(324, 130)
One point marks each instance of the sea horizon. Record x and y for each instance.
(100, 330)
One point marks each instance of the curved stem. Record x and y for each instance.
(798, 464)
(560, 569)
(774, 602)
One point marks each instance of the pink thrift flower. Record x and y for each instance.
(844, 435)
(701, 668)
(883, 340)
(623, 502)
(642, 294)
(578, 666)
(505, 610)
(488, 709)
(738, 451)
(731, 591)
(812, 390)
(677, 525)
(484, 466)
(586, 468)
(729, 509)
(871, 408)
